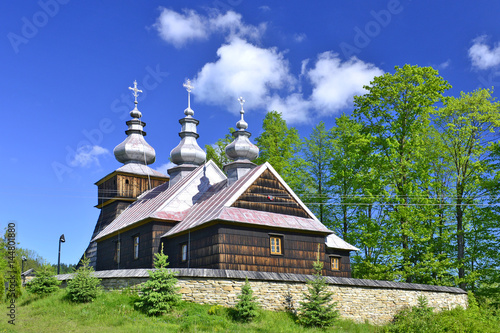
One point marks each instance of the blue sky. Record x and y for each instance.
(67, 65)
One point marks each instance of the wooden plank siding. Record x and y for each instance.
(149, 244)
(267, 194)
(125, 186)
(224, 246)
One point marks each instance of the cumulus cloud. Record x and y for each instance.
(336, 82)
(482, 55)
(242, 69)
(87, 156)
(181, 28)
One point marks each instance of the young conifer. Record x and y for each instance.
(159, 293)
(317, 308)
(246, 308)
(44, 282)
(84, 287)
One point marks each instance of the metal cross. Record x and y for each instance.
(188, 87)
(242, 101)
(135, 90)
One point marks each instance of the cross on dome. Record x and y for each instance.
(242, 101)
(189, 87)
(135, 90)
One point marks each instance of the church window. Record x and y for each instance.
(184, 250)
(136, 247)
(335, 263)
(117, 252)
(276, 245)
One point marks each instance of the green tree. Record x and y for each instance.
(395, 112)
(466, 125)
(159, 293)
(44, 282)
(317, 155)
(217, 151)
(317, 309)
(281, 147)
(84, 286)
(246, 308)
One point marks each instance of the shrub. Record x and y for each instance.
(317, 308)
(84, 287)
(415, 319)
(44, 282)
(246, 308)
(159, 293)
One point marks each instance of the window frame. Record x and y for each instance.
(184, 251)
(136, 246)
(333, 260)
(278, 246)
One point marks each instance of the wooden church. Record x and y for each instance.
(244, 217)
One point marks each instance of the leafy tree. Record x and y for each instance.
(246, 308)
(317, 154)
(44, 282)
(466, 126)
(317, 308)
(159, 293)
(281, 146)
(84, 287)
(395, 112)
(217, 151)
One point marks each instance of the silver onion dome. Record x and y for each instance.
(135, 149)
(188, 151)
(241, 148)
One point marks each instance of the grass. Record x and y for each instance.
(114, 312)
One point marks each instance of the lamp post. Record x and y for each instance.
(61, 240)
(23, 259)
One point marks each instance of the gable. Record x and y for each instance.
(267, 194)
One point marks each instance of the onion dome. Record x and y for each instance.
(135, 149)
(187, 151)
(241, 148)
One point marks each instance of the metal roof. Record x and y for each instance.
(215, 205)
(140, 169)
(335, 242)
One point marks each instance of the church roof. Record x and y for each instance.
(218, 204)
(140, 169)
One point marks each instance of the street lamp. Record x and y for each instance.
(23, 259)
(61, 240)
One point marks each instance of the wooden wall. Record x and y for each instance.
(224, 246)
(125, 186)
(149, 244)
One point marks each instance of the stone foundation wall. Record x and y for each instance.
(359, 300)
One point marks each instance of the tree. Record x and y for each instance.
(395, 112)
(281, 146)
(84, 287)
(246, 308)
(466, 125)
(44, 282)
(317, 154)
(159, 293)
(217, 151)
(317, 308)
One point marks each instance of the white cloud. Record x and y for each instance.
(445, 64)
(336, 82)
(181, 28)
(88, 155)
(482, 55)
(164, 167)
(178, 29)
(299, 37)
(244, 70)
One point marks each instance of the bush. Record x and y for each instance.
(159, 293)
(415, 319)
(44, 283)
(317, 309)
(84, 287)
(246, 308)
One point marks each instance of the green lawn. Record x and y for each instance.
(114, 312)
